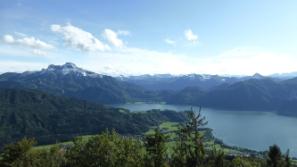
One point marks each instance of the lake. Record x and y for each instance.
(255, 130)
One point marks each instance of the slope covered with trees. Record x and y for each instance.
(51, 118)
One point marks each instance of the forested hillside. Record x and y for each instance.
(49, 118)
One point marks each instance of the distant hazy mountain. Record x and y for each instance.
(70, 80)
(176, 83)
(251, 94)
(179, 82)
(284, 75)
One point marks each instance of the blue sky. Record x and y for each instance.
(136, 37)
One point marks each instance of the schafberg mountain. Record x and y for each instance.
(72, 81)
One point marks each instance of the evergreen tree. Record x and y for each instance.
(274, 156)
(287, 159)
(155, 149)
(190, 150)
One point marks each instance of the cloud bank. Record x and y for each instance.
(37, 45)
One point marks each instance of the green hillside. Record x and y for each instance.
(50, 119)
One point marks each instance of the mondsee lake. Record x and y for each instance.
(255, 130)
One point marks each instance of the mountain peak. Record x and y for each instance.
(258, 76)
(69, 65)
(69, 68)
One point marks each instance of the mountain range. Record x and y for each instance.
(179, 82)
(70, 80)
(255, 92)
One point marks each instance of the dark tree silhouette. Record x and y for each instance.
(156, 149)
(274, 156)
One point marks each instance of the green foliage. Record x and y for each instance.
(155, 149)
(54, 157)
(107, 149)
(15, 155)
(216, 158)
(241, 162)
(190, 150)
(21, 154)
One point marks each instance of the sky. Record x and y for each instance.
(128, 37)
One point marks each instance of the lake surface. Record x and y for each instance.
(255, 130)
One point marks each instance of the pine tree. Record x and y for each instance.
(287, 159)
(155, 149)
(190, 150)
(274, 156)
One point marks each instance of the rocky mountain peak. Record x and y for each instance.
(70, 68)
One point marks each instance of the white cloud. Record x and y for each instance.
(28, 42)
(34, 43)
(137, 61)
(79, 38)
(123, 32)
(39, 52)
(169, 41)
(190, 36)
(20, 66)
(237, 61)
(8, 39)
(113, 38)
(20, 34)
(247, 61)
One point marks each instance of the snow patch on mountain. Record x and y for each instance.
(70, 68)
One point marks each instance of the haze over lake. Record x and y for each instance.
(255, 130)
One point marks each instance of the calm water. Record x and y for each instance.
(249, 129)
